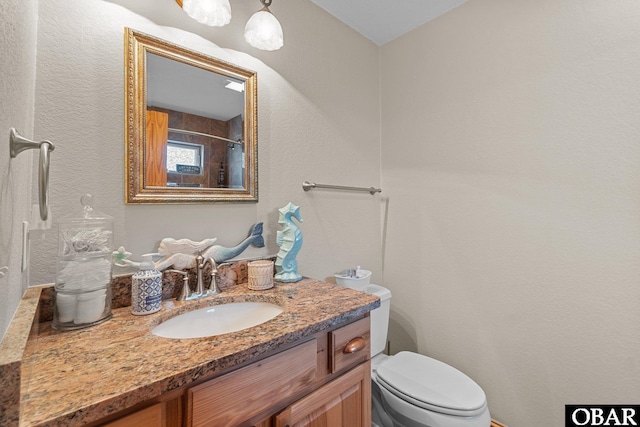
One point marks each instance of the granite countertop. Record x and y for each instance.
(75, 377)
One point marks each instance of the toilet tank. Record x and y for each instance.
(379, 318)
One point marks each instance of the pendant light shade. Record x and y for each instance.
(263, 31)
(215, 13)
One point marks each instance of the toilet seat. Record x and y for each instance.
(431, 384)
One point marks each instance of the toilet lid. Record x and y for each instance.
(430, 384)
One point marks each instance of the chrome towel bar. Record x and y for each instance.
(18, 144)
(306, 186)
(190, 132)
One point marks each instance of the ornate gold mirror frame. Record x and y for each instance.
(143, 159)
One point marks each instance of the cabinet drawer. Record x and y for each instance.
(349, 345)
(240, 395)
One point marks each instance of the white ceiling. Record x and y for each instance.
(183, 87)
(383, 20)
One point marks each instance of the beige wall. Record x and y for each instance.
(511, 164)
(17, 67)
(318, 120)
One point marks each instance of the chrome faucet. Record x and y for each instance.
(201, 263)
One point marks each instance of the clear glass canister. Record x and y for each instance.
(83, 278)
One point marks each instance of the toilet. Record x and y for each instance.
(412, 390)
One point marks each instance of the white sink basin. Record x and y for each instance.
(217, 320)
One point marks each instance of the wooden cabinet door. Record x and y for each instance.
(267, 422)
(155, 151)
(344, 402)
(148, 417)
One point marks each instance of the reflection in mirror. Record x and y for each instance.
(205, 113)
(191, 126)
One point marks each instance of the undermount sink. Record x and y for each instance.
(217, 320)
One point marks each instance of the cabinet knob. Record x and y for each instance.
(355, 345)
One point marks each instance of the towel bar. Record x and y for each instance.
(306, 186)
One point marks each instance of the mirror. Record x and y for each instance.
(191, 130)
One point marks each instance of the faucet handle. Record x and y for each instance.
(213, 286)
(214, 289)
(185, 292)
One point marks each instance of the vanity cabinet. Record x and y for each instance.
(324, 380)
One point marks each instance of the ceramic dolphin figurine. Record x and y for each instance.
(221, 253)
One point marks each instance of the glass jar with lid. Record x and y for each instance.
(83, 278)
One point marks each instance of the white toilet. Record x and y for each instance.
(412, 390)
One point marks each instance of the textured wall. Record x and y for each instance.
(511, 164)
(17, 68)
(318, 120)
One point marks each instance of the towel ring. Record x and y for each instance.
(17, 144)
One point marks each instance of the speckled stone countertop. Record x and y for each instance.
(75, 377)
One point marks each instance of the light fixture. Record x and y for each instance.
(215, 13)
(263, 31)
(234, 85)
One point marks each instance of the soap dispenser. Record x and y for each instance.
(146, 288)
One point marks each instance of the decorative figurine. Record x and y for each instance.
(169, 246)
(181, 254)
(222, 253)
(290, 241)
(120, 256)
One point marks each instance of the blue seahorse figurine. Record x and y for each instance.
(290, 242)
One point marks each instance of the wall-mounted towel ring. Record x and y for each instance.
(17, 144)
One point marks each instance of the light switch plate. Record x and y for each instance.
(25, 245)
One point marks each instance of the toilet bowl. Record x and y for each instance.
(412, 390)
